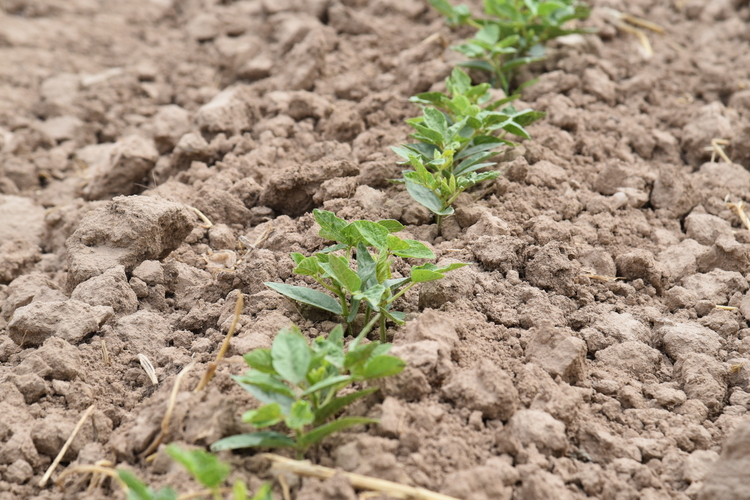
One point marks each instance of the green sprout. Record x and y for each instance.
(205, 468)
(456, 135)
(358, 271)
(514, 35)
(299, 386)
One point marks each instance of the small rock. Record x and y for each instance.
(597, 83)
(603, 446)
(130, 159)
(70, 320)
(554, 268)
(541, 485)
(730, 475)
(16, 258)
(32, 387)
(705, 228)
(150, 272)
(390, 420)
(21, 219)
(125, 232)
(538, 428)
(485, 388)
(18, 472)
(489, 225)
(170, 123)
(108, 289)
(635, 358)
(231, 112)
(681, 339)
(641, 264)
(681, 260)
(27, 288)
(703, 378)
(623, 327)
(63, 128)
(63, 359)
(492, 481)
(557, 353)
(715, 286)
(698, 464)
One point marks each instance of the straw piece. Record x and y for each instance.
(170, 409)
(206, 223)
(396, 490)
(65, 447)
(224, 346)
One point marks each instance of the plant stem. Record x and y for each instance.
(400, 293)
(383, 337)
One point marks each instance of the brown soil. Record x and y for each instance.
(532, 373)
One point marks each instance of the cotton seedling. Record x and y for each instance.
(513, 35)
(358, 271)
(299, 386)
(457, 133)
(205, 468)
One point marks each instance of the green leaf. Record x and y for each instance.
(263, 493)
(331, 227)
(338, 404)
(424, 275)
(344, 275)
(239, 490)
(374, 295)
(425, 197)
(326, 383)
(300, 416)
(393, 226)
(373, 233)
(266, 389)
(365, 265)
(318, 433)
(265, 416)
(308, 266)
(307, 296)
(435, 120)
(359, 354)
(204, 467)
(383, 366)
(489, 34)
(260, 359)
(416, 250)
(291, 355)
(265, 439)
(138, 491)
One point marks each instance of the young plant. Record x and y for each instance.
(456, 135)
(205, 468)
(299, 386)
(358, 270)
(513, 35)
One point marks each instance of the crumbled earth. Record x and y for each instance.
(598, 345)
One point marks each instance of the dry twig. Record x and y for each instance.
(56, 461)
(224, 346)
(396, 490)
(148, 368)
(170, 409)
(739, 209)
(206, 223)
(716, 148)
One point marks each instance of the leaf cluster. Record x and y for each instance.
(513, 35)
(358, 270)
(457, 133)
(299, 386)
(205, 468)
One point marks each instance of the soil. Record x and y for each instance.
(532, 373)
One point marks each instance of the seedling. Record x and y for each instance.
(205, 468)
(358, 270)
(456, 135)
(514, 35)
(299, 386)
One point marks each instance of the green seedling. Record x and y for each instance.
(514, 34)
(205, 468)
(457, 135)
(358, 271)
(299, 384)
